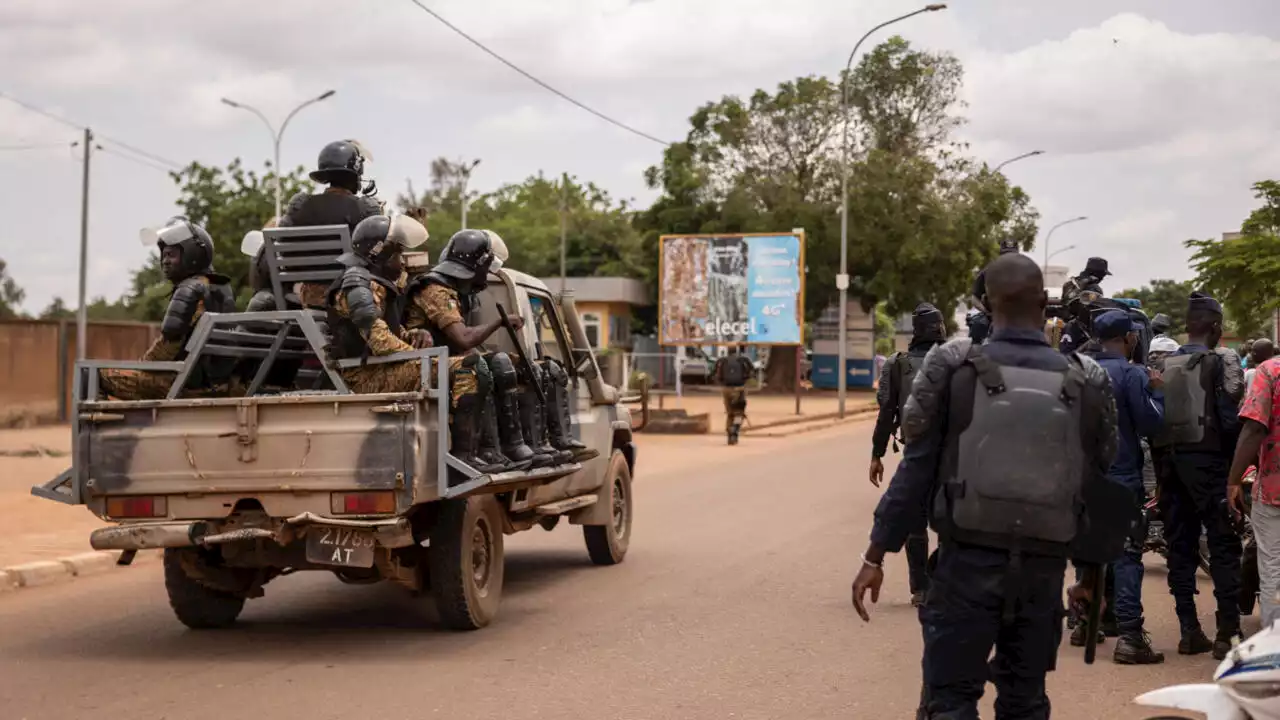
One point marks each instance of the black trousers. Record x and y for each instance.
(980, 599)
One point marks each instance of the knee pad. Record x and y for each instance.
(504, 372)
(484, 377)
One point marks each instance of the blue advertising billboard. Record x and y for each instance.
(732, 289)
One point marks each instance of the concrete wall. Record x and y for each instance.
(37, 358)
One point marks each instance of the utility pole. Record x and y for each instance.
(82, 314)
(564, 211)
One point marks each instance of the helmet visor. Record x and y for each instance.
(407, 232)
(168, 235)
(252, 243)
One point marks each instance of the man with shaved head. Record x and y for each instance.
(1005, 442)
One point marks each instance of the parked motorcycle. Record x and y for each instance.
(1246, 685)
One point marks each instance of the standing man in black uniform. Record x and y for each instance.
(1006, 501)
(1076, 332)
(1192, 455)
(927, 332)
(341, 167)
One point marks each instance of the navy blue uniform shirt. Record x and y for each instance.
(1139, 411)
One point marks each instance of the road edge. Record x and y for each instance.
(42, 573)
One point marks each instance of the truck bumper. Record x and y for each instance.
(392, 532)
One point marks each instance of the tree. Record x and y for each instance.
(922, 218)
(228, 203)
(11, 294)
(1243, 273)
(98, 309)
(1165, 296)
(599, 237)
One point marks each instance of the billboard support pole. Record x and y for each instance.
(799, 356)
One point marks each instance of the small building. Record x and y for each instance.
(605, 305)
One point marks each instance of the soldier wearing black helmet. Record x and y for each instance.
(186, 258)
(488, 409)
(341, 168)
(1078, 295)
(364, 309)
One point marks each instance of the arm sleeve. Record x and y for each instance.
(1102, 437)
(378, 337)
(1232, 374)
(439, 306)
(1257, 402)
(1228, 405)
(887, 418)
(1147, 405)
(184, 308)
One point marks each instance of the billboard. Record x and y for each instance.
(731, 289)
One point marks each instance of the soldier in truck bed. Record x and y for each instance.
(364, 305)
(186, 258)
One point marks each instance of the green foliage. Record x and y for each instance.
(922, 218)
(11, 294)
(1164, 296)
(599, 238)
(228, 203)
(99, 309)
(1243, 273)
(885, 331)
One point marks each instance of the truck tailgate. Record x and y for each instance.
(249, 445)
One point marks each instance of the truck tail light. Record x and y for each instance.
(143, 506)
(364, 503)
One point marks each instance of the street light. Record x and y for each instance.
(842, 280)
(1023, 156)
(1049, 236)
(276, 135)
(1055, 253)
(466, 177)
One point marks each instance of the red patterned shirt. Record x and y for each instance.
(1261, 404)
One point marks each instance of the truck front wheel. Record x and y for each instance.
(607, 544)
(197, 606)
(466, 562)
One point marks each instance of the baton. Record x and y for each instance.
(1096, 582)
(528, 364)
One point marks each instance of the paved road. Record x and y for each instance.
(734, 603)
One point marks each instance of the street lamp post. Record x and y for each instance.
(842, 280)
(1023, 156)
(1055, 253)
(276, 135)
(466, 177)
(1049, 236)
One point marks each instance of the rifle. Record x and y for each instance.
(524, 356)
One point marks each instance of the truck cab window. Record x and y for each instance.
(548, 329)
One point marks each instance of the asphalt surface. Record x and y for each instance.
(733, 603)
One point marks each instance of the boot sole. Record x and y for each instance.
(1134, 661)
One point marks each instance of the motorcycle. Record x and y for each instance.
(1246, 685)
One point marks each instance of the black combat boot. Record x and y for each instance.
(534, 425)
(511, 435)
(1194, 642)
(1134, 648)
(558, 419)
(1228, 634)
(490, 451)
(1078, 635)
(464, 434)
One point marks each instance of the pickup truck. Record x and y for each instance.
(240, 489)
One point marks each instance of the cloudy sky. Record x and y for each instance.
(1155, 115)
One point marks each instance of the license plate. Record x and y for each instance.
(343, 547)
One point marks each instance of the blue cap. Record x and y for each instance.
(1112, 324)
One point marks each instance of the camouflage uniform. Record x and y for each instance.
(383, 378)
(436, 307)
(149, 384)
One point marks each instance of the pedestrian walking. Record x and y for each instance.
(1007, 443)
(1259, 445)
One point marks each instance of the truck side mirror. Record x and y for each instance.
(582, 364)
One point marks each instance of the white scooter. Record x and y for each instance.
(1246, 685)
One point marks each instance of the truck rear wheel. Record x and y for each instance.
(607, 544)
(466, 562)
(197, 606)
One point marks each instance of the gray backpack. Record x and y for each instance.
(1017, 464)
(1187, 410)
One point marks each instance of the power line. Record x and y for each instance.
(80, 126)
(138, 160)
(33, 146)
(544, 85)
